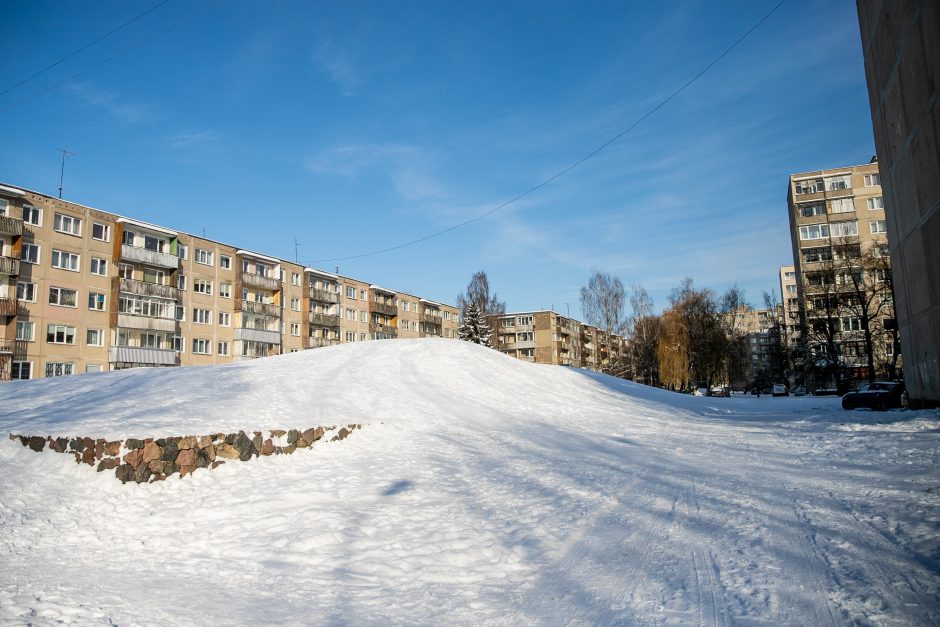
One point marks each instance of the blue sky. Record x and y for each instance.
(366, 125)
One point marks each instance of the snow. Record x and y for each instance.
(481, 490)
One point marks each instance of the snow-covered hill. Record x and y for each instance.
(480, 490)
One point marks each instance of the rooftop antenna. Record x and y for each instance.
(296, 246)
(337, 269)
(65, 153)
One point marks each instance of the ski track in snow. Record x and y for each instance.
(481, 490)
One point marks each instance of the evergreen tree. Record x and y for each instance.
(474, 328)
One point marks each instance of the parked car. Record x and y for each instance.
(700, 392)
(879, 396)
(799, 391)
(720, 391)
(779, 389)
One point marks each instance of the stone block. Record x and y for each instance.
(142, 473)
(216, 464)
(75, 444)
(88, 455)
(151, 452)
(108, 463)
(60, 445)
(227, 451)
(202, 459)
(133, 458)
(186, 470)
(156, 465)
(186, 457)
(112, 448)
(170, 451)
(267, 447)
(206, 441)
(186, 443)
(37, 443)
(133, 443)
(276, 433)
(292, 436)
(124, 473)
(210, 452)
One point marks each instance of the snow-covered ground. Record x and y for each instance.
(481, 490)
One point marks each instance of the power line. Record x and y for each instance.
(85, 47)
(572, 166)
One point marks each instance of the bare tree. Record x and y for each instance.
(733, 308)
(478, 293)
(645, 328)
(603, 303)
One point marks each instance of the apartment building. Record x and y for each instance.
(901, 47)
(547, 337)
(83, 290)
(790, 307)
(838, 232)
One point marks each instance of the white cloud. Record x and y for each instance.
(204, 139)
(116, 106)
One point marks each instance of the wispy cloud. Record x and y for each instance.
(337, 63)
(203, 139)
(115, 105)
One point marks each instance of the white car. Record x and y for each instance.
(700, 392)
(780, 390)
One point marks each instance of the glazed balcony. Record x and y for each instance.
(257, 280)
(146, 323)
(324, 320)
(322, 296)
(258, 335)
(137, 355)
(11, 226)
(149, 257)
(431, 318)
(259, 309)
(144, 288)
(10, 266)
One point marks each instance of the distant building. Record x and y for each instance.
(901, 45)
(546, 337)
(837, 226)
(84, 290)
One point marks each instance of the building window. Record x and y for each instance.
(523, 321)
(63, 297)
(351, 314)
(294, 278)
(875, 202)
(96, 301)
(814, 209)
(225, 290)
(181, 281)
(204, 257)
(224, 318)
(202, 347)
(94, 337)
(67, 224)
(202, 316)
(848, 228)
(850, 323)
(295, 304)
(363, 316)
(181, 251)
(835, 183)
(22, 370)
(155, 244)
(872, 179)
(125, 271)
(60, 334)
(843, 205)
(4, 205)
(64, 260)
(225, 261)
(32, 215)
(350, 336)
(223, 348)
(90, 368)
(152, 275)
(25, 330)
(177, 343)
(101, 232)
(877, 226)
(99, 266)
(59, 369)
(202, 286)
(127, 238)
(814, 231)
(29, 253)
(26, 291)
(351, 293)
(294, 329)
(808, 186)
(813, 255)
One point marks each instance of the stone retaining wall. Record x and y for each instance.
(155, 459)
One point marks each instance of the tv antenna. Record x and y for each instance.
(65, 153)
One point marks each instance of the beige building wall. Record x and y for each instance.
(124, 293)
(547, 337)
(410, 310)
(901, 46)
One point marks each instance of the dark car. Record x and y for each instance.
(880, 396)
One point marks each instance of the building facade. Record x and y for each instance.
(843, 275)
(83, 290)
(901, 46)
(547, 337)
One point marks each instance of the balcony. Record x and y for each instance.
(10, 347)
(323, 296)
(260, 309)
(146, 323)
(430, 318)
(11, 226)
(142, 356)
(525, 344)
(10, 266)
(143, 288)
(258, 335)
(256, 280)
(324, 320)
(383, 308)
(7, 306)
(320, 342)
(149, 257)
(384, 329)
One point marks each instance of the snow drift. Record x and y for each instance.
(480, 490)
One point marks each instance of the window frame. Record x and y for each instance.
(59, 291)
(60, 255)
